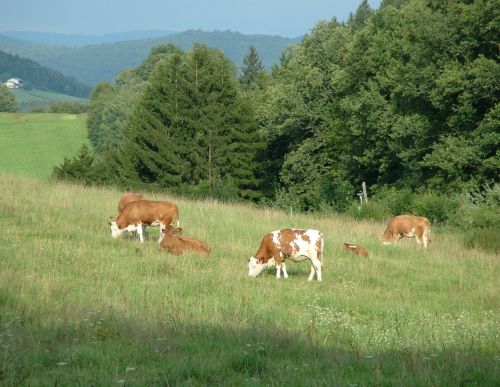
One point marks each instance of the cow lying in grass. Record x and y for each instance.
(135, 215)
(409, 226)
(175, 244)
(296, 245)
(355, 249)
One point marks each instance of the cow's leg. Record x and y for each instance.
(315, 268)
(311, 275)
(140, 232)
(425, 239)
(162, 232)
(283, 267)
(277, 261)
(418, 236)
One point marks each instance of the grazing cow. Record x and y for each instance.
(129, 197)
(297, 245)
(409, 226)
(355, 249)
(175, 244)
(136, 215)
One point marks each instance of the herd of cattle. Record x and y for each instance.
(135, 213)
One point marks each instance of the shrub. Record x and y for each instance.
(484, 238)
(397, 201)
(78, 169)
(373, 210)
(436, 208)
(69, 107)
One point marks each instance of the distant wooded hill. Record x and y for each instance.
(93, 63)
(78, 40)
(40, 77)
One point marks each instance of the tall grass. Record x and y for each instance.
(78, 307)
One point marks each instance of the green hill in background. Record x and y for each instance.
(32, 144)
(52, 38)
(27, 100)
(93, 63)
(39, 77)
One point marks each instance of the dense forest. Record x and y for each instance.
(404, 98)
(102, 62)
(39, 77)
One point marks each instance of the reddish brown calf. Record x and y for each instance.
(175, 244)
(355, 249)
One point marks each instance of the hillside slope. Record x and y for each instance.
(94, 63)
(39, 77)
(32, 144)
(81, 308)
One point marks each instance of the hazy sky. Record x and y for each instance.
(276, 17)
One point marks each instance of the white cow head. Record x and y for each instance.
(256, 266)
(116, 231)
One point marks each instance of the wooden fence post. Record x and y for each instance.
(365, 194)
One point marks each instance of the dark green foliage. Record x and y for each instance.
(78, 169)
(69, 107)
(192, 128)
(111, 104)
(39, 77)
(7, 100)
(405, 96)
(361, 15)
(252, 67)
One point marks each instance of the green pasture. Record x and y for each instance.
(32, 144)
(80, 308)
(35, 95)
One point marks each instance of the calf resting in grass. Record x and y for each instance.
(355, 249)
(175, 244)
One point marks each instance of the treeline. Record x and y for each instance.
(102, 62)
(404, 98)
(39, 77)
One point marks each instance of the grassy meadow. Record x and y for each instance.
(32, 144)
(27, 100)
(80, 308)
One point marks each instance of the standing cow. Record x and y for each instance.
(409, 226)
(134, 216)
(129, 197)
(293, 244)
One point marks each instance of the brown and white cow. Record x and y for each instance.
(129, 197)
(296, 245)
(355, 249)
(409, 226)
(135, 215)
(175, 244)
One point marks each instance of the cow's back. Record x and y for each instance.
(403, 224)
(149, 211)
(299, 241)
(129, 197)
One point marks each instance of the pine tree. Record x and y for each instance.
(192, 129)
(252, 67)
(156, 137)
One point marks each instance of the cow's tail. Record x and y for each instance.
(175, 219)
(321, 250)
